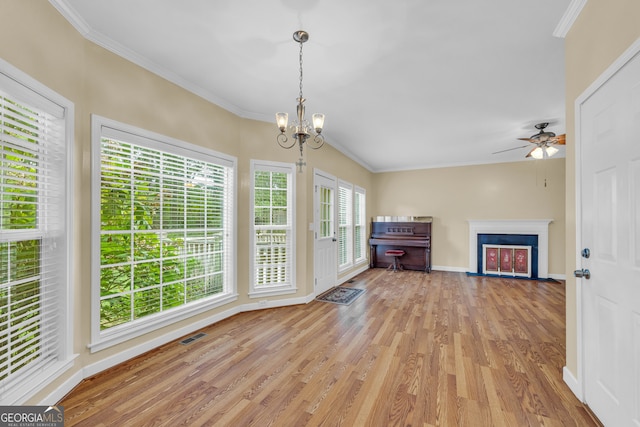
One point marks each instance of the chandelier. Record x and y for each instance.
(301, 129)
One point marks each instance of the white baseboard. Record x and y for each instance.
(449, 269)
(452, 269)
(260, 305)
(65, 388)
(109, 362)
(157, 342)
(573, 383)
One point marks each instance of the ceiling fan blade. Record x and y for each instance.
(529, 153)
(531, 140)
(510, 149)
(560, 139)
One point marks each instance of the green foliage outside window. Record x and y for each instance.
(162, 237)
(19, 259)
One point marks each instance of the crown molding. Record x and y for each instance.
(70, 15)
(107, 43)
(569, 17)
(111, 45)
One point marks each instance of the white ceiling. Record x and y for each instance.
(404, 84)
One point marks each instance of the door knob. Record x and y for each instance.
(582, 273)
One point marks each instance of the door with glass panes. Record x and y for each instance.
(325, 253)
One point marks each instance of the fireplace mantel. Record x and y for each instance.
(539, 227)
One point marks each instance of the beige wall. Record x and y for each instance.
(519, 190)
(99, 82)
(602, 32)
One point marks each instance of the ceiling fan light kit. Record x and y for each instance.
(539, 152)
(301, 129)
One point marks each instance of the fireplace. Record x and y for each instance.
(516, 233)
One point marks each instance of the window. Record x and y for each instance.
(35, 186)
(326, 213)
(351, 225)
(345, 225)
(272, 235)
(165, 240)
(360, 225)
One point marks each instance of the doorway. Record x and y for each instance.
(325, 240)
(608, 239)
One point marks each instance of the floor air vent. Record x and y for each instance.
(192, 339)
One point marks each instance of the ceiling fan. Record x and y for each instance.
(544, 143)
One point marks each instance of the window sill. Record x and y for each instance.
(345, 268)
(110, 338)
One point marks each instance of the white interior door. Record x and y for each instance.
(609, 150)
(326, 248)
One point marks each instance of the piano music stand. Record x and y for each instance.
(395, 253)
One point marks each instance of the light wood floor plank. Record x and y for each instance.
(439, 349)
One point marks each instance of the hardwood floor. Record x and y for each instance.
(415, 349)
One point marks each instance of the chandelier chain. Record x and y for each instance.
(300, 70)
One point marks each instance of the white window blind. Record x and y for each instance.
(166, 215)
(273, 238)
(345, 225)
(34, 236)
(360, 225)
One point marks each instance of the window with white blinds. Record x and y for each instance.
(345, 225)
(360, 225)
(166, 230)
(272, 234)
(35, 176)
(327, 213)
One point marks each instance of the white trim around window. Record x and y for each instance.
(272, 230)
(36, 279)
(167, 251)
(345, 225)
(360, 225)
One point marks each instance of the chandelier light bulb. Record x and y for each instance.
(281, 120)
(318, 122)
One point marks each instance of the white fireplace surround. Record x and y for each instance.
(537, 227)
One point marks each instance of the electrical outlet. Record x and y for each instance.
(262, 303)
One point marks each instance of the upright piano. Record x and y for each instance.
(409, 234)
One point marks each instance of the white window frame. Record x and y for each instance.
(103, 127)
(289, 286)
(16, 390)
(360, 221)
(345, 222)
